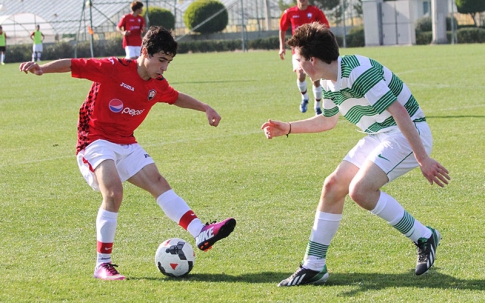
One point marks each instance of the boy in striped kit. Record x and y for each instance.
(398, 139)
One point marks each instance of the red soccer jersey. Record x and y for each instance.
(134, 25)
(296, 17)
(119, 99)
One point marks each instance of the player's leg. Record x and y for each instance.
(318, 94)
(127, 52)
(301, 84)
(392, 158)
(150, 179)
(132, 52)
(96, 163)
(107, 219)
(2, 56)
(313, 269)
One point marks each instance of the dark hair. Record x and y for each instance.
(159, 39)
(315, 40)
(136, 5)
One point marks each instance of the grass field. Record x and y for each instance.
(47, 211)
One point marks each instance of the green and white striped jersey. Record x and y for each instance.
(362, 93)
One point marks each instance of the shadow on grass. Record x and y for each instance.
(362, 281)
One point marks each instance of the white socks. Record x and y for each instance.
(178, 211)
(390, 210)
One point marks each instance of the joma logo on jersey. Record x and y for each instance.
(127, 86)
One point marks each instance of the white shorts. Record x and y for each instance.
(390, 151)
(296, 64)
(129, 159)
(132, 51)
(37, 48)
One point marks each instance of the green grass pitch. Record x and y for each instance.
(47, 211)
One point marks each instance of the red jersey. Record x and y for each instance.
(296, 17)
(134, 25)
(119, 99)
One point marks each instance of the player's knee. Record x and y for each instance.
(332, 186)
(359, 193)
(113, 195)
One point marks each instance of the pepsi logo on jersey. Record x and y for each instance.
(116, 106)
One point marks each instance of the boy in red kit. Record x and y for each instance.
(295, 17)
(122, 94)
(132, 27)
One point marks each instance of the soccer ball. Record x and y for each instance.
(175, 258)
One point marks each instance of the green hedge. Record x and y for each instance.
(464, 35)
(21, 53)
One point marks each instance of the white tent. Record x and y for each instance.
(19, 27)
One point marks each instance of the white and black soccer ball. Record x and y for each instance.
(175, 258)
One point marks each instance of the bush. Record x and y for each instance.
(265, 43)
(161, 17)
(471, 35)
(356, 37)
(200, 10)
(425, 24)
(205, 46)
(19, 53)
(424, 38)
(464, 35)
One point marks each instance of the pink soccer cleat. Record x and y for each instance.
(213, 232)
(107, 271)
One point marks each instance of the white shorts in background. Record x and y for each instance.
(390, 151)
(132, 51)
(296, 64)
(129, 159)
(37, 48)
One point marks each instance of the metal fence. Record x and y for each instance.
(77, 19)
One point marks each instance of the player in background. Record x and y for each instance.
(132, 27)
(38, 37)
(122, 94)
(3, 45)
(398, 139)
(296, 16)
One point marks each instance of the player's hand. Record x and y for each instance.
(213, 117)
(434, 172)
(274, 128)
(31, 67)
(282, 53)
(127, 33)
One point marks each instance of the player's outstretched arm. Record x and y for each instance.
(316, 124)
(57, 66)
(186, 101)
(274, 128)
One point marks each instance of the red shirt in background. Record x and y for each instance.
(296, 17)
(134, 25)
